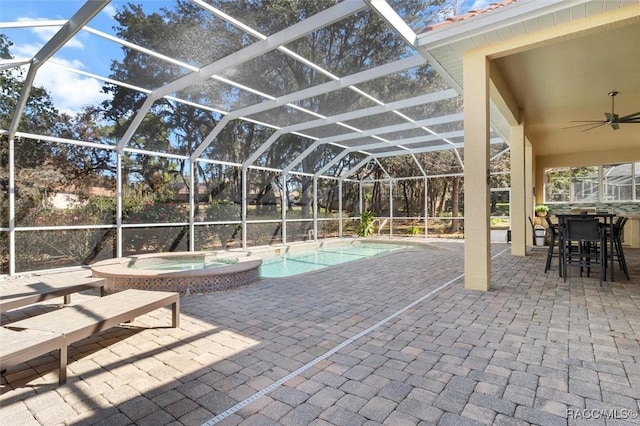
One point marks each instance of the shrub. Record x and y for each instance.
(365, 226)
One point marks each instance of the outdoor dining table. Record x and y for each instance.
(607, 220)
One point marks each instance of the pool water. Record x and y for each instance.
(182, 265)
(290, 264)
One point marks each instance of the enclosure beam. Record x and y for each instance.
(315, 209)
(284, 202)
(258, 152)
(315, 22)
(426, 208)
(340, 215)
(55, 43)
(119, 239)
(366, 112)
(244, 207)
(12, 206)
(396, 128)
(378, 109)
(390, 207)
(414, 140)
(332, 86)
(331, 163)
(389, 14)
(383, 130)
(192, 205)
(428, 149)
(321, 89)
(356, 167)
(477, 247)
(272, 42)
(210, 137)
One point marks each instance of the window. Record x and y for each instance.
(557, 185)
(584, 184)
(619, 182)
(637, 182)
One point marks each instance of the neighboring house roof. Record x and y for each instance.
(469, 14)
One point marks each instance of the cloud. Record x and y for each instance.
(45, 33)
(69, 91)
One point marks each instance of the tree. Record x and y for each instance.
(351, 45)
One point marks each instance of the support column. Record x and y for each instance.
(518, 192)
(245, 198)
(119, 179)
(12, 206)
(477, 248)
(315, 208)
(529, 185)
(340, 215)
(193, 192)
(284, 203)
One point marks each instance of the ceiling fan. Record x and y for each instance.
(612, 120)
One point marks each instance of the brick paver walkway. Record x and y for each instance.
(394, 340)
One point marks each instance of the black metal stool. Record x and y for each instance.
(583, 245)
(618, 253)
(554, 245)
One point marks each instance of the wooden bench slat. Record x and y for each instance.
(17, 295)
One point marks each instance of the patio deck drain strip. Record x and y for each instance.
(330, 352)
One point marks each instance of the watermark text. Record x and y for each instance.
(602, 413)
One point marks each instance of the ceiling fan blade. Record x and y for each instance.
(593, 127)
(586, 123)
(630, 117)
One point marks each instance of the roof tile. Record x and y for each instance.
(469, 14)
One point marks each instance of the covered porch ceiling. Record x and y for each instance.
(558, 60)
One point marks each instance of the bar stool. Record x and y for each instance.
(618, 253)
(583, 242)
(554, 246)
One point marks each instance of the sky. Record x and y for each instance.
(86, 51)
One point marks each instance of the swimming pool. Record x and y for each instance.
(288, 264)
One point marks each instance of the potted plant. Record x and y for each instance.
(541, 210)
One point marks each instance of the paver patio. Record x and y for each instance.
(395, 340)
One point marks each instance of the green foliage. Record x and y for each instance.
(500, 223)
(414, 230)
(223, 211)
(541, 208)
(365, 226)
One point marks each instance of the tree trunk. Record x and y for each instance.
(443, 194)
(455, 203)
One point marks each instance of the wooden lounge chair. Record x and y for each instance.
(17, 295)
(82, 320)
(23, 345)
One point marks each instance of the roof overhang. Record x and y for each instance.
(552, 63)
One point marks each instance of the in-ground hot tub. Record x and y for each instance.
(183, 272)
